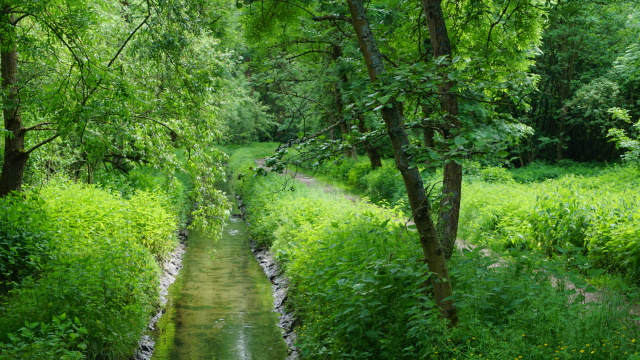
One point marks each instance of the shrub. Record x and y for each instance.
(597, 213)
(383, 185)
(111, 287)
(62, 339)
(25, 240)
(495, 175)
(100, 271)
(87, 213)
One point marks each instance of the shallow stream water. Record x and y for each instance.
(220, 306)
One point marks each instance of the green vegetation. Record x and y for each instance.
(597, 214)
(85, 282)
(548, 208)
(116, 115)
(358, 288)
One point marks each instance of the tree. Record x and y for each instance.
(577, 79)
(15, 156)
(452, 180)
(420, 208)
(311, 79)
(48, 28)
(455, 100)
(116, 84)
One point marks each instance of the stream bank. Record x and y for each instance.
(221, 305)
(170, 269)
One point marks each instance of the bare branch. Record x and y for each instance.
(41, 144)
(35, 127)
(332, 18)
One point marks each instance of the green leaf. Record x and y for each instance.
(460, 140)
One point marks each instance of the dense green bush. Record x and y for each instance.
(62, 339)
(540, 171)
(495, 175)
(99, 277)
(85, 212)
(24, 242)
(596, 213)
(382, 186)
(175, 188)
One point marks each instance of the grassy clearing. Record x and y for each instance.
(359, 291)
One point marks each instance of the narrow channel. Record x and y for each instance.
(220, 306)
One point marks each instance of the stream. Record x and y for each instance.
(221, 305)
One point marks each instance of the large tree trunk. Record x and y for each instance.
(420, 208)
(452, 182)
(15, 157)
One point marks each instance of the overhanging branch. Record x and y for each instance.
(331, 18)
(41, 144)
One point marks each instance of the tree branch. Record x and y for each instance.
(41, 144)
(157, 122)
(308, 52)
(34, 127)
(144, 21)
(332, 18)
(17, 20)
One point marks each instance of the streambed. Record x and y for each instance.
(221, 304)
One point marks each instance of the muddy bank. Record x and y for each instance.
(170, 269)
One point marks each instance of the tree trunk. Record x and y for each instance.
(15, 157)
(452, 182)
(420, 208)
(351, 151)
(372, 150)
(428, 137)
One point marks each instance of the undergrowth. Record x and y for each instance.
(598, 214)
(358, 289)
(82, 269)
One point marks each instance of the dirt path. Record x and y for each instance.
(312, 182)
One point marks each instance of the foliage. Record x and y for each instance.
(358, 289)
(538, 171)
(87, 213)
(579, 83)
(61, 339)
(622, 139)
(496, 175)
(25, 242)
(596, 213)
(382, 186)
(99, 270)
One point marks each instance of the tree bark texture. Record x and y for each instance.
(15, 156)
(420, 208)
(452, 182)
